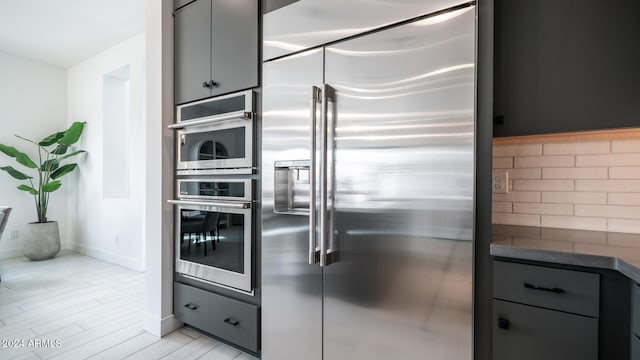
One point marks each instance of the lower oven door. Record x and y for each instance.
(213, 242)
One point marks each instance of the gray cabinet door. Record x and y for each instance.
(192, 49)
(234, 45)
(530, 333)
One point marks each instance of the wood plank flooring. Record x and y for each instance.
(79, 307)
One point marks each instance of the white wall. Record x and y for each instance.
(158, 317)
(33, 103)
(111, 229)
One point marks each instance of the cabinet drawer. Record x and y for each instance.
(571, 291)
(226, 318)
(526, 332)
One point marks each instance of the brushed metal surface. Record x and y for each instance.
(308, 23)
(399, 136)
(403, 157)
(291, 288)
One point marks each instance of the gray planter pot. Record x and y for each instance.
(42, 241)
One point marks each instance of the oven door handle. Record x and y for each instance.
(222, 204)
(236, 115)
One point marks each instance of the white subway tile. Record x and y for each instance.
(608, 211)
(501, 207)
(543, 185)
(515, 231)
(544, 161)
(574, 197)
(608, 160)
(584, 236)
(515, 219)
(608, 185)
(626, 253)
(598, 147)
(543, 244)
(631, 199)
(543, 209)
(517, 150)
(623, 226)
(625, 146)
(575, 173)
(501, 240)
(628, 172)
(519, 174)
(502, 162)
(519, 196)
(623, 239)
(572, 222)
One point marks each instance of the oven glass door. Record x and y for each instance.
(218, 145)
(213, 243)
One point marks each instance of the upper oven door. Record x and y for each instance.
(219, 145)
(215, 134)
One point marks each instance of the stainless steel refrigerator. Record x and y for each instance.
(368, 195)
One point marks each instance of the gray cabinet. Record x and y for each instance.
(565, 66)
(216, 48)
(635, 325)
(526, 332)
(544, 313)
(229, 319)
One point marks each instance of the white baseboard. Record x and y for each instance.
(118, 259)
(10, 253)
(160, 327)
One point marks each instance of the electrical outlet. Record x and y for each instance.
(14, 234)
(500, 182)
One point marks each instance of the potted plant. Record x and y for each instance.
(43, 239)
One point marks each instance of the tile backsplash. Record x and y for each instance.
(590, 185)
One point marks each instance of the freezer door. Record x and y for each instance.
(403, 185)
(291, 287)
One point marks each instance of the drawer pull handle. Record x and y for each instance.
(503, 323)
(536, 287)
(232, 321)
(191, 306)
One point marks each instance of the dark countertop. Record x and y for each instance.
(598, 249)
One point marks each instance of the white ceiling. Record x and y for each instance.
(65, 32)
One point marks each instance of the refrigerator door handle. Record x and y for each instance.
(313, 253)
(328, 94)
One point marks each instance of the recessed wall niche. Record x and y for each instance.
(116, 114)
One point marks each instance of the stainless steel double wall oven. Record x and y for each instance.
(214, 217)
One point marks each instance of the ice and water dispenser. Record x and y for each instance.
(292, 185)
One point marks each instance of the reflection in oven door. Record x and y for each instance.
(221, 145)
(213, 242)
(213, 238)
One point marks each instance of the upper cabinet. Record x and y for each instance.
(216, 48)
(566, 66)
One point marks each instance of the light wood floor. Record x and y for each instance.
(78, 307)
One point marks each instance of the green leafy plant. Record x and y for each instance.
(50, 168)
